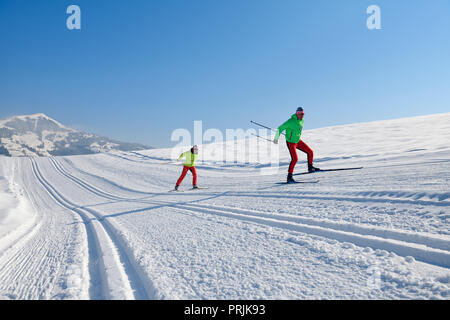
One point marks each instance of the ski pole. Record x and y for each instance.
(262, 137)
(258, 124)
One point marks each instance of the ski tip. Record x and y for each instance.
(328, 170)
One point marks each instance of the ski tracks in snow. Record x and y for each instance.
(34, 265)
(423, 247)
(428, 248)
(109, 262)
(115, 273)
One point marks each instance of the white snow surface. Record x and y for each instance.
(107, 226)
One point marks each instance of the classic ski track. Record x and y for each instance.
(423, 247)
(16, 263)
(81, 183)
(142, 285)
(115, 281)
(418, 238)
(360, 196)
(420, 252)
(432, 241)
(351, 197)
(20, 237)
(93, 240)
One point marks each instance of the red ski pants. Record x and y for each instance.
(293, 151)
(183, 174)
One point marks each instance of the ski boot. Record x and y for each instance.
(290, 179)
(311, 168)
(176, 188)
(194, 186)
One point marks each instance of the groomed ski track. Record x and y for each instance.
(131, 239)
(424, 247)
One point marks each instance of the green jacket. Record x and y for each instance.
(293, 129)
(190, 158)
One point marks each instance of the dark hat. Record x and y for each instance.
(300, 109)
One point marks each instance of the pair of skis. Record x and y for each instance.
(316, 181)
(191, 189)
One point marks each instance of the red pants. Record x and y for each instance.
(293, 151)
(183, 174)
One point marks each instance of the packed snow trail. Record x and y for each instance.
(403, 243)
(105, 227)
(114, 279)
(208, 205)
(47, 260)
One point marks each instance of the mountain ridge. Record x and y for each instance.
(39, 135)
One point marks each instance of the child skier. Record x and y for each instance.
(189, 165)
(293, 128)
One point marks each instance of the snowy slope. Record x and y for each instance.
(347, 144)
(105, 226)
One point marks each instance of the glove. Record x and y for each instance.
(275, 141)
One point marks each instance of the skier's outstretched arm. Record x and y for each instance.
(181, 156)
(279, 131)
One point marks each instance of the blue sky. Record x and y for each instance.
(139, 69)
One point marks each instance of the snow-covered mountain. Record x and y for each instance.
(40, 135)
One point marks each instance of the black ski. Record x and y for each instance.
(199, 188)
(191, 189)
(298, 182)
(328, 170)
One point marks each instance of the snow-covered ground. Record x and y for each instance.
(106, 226)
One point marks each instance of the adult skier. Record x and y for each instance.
(293, 128)
(189, 165)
